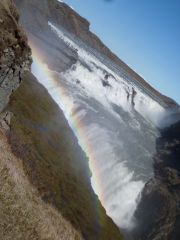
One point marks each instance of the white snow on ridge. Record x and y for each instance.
(61, 1)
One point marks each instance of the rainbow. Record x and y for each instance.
(49, 79)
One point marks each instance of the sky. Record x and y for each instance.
(143, 33)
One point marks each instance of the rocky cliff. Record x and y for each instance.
(45, 189)
(158, 213)
(15, 55)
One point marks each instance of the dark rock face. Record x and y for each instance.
(158, 214)
(15, 55)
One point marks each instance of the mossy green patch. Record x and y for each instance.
(54, 162)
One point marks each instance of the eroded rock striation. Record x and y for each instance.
(15, 55)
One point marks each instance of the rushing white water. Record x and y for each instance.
(116, 125)
(118, 90)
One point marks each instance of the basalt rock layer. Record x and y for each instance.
(15, 55)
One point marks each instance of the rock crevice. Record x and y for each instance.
(15, 54)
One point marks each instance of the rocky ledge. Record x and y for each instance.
(158, 214)
(15, 55)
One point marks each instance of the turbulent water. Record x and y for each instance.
(112, 119)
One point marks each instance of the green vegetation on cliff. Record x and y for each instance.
(54, 162)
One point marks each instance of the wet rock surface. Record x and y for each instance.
(158, 214)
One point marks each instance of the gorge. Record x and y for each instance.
(85, 108)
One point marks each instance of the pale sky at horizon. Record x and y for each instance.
(144, 34)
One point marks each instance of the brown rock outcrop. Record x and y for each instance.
(15, 55)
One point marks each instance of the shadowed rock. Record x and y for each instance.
(15, 55)
(158, 214)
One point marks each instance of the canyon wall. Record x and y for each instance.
(15, 55)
